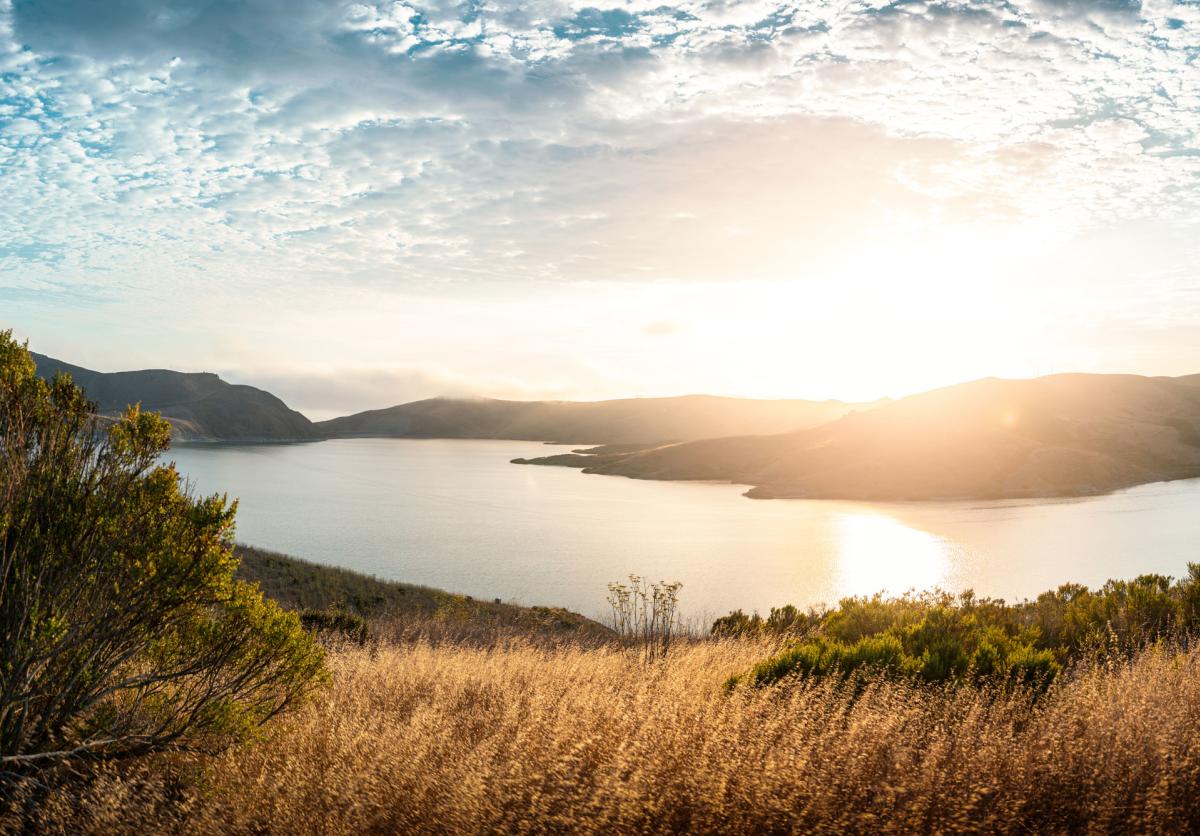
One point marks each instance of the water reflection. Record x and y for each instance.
(878, 553)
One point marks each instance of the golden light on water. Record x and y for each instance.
(878, 553)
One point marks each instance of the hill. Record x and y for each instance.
(1071, 434)
(200, 406)
(627, 421)
(302, 585)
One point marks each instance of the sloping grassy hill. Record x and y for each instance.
(1069, 434)
(200, 406)
(632, 420)
(301, 585)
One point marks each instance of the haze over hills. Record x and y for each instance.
(199, 405)
(202, 407)
(616, 422)
(1070, 434)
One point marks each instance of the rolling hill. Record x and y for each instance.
(200, 406)
(1071, 434)
(628, 421)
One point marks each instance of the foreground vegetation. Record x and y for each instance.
(429, 729)
(123, 631)
(938, 637)
(521, 738)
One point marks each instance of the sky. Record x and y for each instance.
(360, 204)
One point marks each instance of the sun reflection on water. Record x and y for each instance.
(878, 553)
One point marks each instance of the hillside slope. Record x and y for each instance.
(1072, 434)
(200, 406)
(297, 584)
(628, 421)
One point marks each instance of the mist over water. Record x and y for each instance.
(456, 515)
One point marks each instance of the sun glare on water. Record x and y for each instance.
(877, 553)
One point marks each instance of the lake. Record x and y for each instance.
(456, 515)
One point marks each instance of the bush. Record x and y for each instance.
(331, 624)
(122, 628)
(943, 637)
(785, 620)
(945, 646)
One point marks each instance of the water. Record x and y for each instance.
(456, 515)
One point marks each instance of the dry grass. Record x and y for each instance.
(522, 738)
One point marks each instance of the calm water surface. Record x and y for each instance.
(456, 515)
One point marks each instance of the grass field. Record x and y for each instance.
(525, 737)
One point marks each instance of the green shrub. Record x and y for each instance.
(943, 637)
(923, 639)
(785, 620)
(336, 625)
(857, 618)
(823, 657)
(913, 653)
(122, 627)
(737, 623)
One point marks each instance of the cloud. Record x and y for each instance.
(425, 142)
(173, 150)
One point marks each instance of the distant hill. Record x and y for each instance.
(1071, 434)
(200, 406)
(628, 421)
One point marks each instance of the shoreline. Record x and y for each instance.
(584, 461)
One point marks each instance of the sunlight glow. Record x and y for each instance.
(879, 554)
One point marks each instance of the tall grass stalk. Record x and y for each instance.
(645, 615)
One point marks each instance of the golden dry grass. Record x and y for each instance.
(521, 738)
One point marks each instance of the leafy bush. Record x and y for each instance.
(122, 628)
(785, 620)
(336, 625)
(946, 645)
(939, 637)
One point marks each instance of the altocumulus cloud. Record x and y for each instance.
(426, 144)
